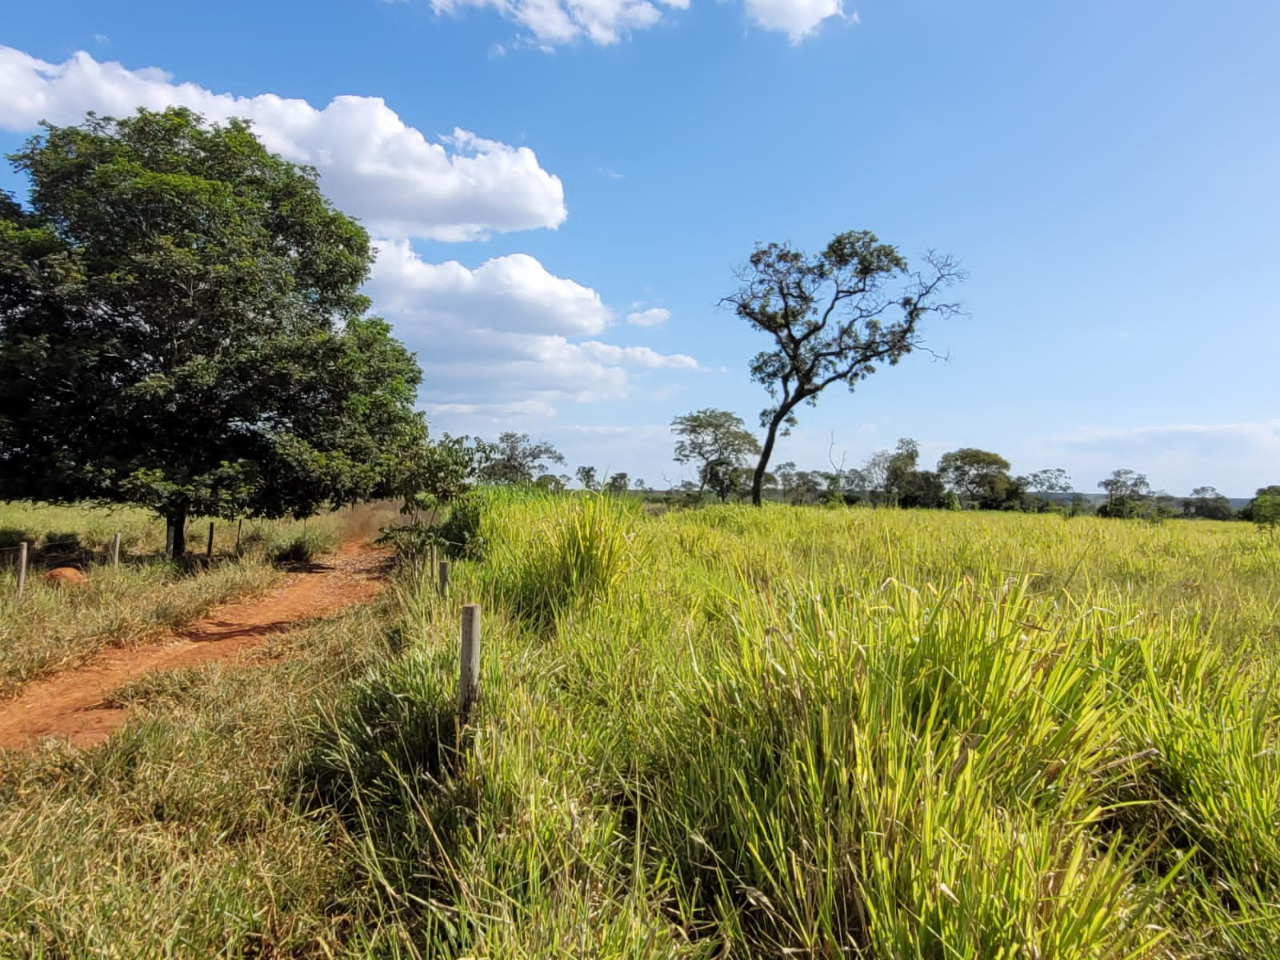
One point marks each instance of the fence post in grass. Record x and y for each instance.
(434, 562)
(209, 550)
(444, 578)
(239, 526)
(22, 567)
(115, 549)
(469, 666)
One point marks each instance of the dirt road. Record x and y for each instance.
(72, 704)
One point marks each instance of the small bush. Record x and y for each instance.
(302, 547)
(460, 533)
(582, 557)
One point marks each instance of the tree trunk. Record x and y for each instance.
(176, 524)
(757, 480)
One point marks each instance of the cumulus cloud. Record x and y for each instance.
(554, 22)
(798, 19)
(506, 333)
(513, 293)
(653, 317)
(551, 23)
(373, 165)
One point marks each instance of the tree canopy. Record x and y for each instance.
(717, 443)
(1264, 509)
(834, 317)
(976, 475)
(516, 459)
(181, 327)
(1206, 503)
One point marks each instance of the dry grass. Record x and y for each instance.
(52, 629)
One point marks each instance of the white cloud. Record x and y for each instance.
(638, 356)
(514, 293)
(371, 163)
(653, 317)
(554, 22)
(798, 19)
(505, 334)
(551, 23)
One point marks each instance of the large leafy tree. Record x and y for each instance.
(834, 317)
(1128, 495)
(977, 475)
(181, 327)
(715, 442)
(1264, 509)
(1051, 480)
(516, 459)
(1208, 504)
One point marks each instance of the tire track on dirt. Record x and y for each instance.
(74, 704)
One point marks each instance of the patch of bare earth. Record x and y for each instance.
(75, 704)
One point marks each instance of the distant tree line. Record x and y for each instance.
(717, 444)
(718, 447)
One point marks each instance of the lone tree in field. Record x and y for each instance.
(976, 475)
(516, 459)
(715, 442)
(833, 317)
(181, 328)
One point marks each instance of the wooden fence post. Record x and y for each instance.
(115, 549)
(209, 550)
(444, 578)
(239, 526)
(469, 665)
(22, 567)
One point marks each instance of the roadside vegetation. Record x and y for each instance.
(53, 628)
(722, 732)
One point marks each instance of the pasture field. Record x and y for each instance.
(52, 629)
(711, 733)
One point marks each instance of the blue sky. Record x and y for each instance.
(561, 193)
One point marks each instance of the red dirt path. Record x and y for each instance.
(73, 704)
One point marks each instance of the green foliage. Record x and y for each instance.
(181, 328)
(1264, 509)
(302, 546)
(435, 473)
(1206, 503)
(768, 733)
(460, 533)
(710, 437)
(1052, 480)
(834, 317)
(515, 459)
(923, 488)
(722, 477)
(576, 557)
(393, 731)
(979, 476)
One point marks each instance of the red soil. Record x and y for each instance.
(75, 706)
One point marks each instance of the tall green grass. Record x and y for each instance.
(849, 732)
(715, 733)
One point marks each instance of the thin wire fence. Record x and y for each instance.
(35, 545)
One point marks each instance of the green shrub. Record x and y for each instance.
(300, 547)
(460, 532)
